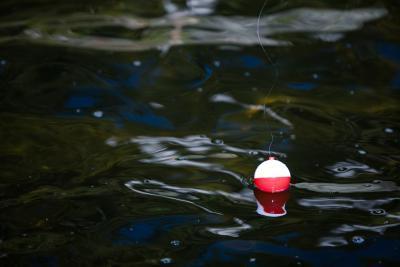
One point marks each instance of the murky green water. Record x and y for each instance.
(130, 131)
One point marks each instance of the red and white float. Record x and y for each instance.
(272, 176)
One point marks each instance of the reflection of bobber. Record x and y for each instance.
(271, 205)
(272, 176)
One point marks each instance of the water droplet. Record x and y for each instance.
(247, 74)
(389, 130)
(98, 113)
(3, 62)
(78, 110)
(357, 239)
(166, 261)
(217, 63)
(252, 260)
(137, 63)
(377, 211)
(315, 76)
(175, 243)
(362, 152)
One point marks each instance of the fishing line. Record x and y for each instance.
(276, 70)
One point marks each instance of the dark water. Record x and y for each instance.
(130, 131)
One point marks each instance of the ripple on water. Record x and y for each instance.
(349, 169)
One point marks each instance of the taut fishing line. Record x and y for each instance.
(276, 70)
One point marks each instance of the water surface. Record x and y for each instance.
(130, 131)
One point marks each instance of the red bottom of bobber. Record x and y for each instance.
(272, 185)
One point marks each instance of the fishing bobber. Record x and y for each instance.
(269, 204)
(272, 176)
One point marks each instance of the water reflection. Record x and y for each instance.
(350, 168)
(190, 26)
(271, 204)
(376, 186)
(334, 203)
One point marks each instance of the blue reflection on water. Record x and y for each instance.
(117, 107)
(391, 52)
(238, 253)
(303, 86)
(208, 71)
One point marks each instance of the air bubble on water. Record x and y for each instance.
(136, 63)
(78, 110)
(246, 74)
(166, 261)
(98, 113)
(352, 92)
(315, 76)
(156, 105)
(356, 145)
(357, 239)
(389, 130)
(199, 89)
(252, 260)
(217, 63)
(112, 141)
(3, 62)
(362, 152)
(377, 211)
(175, 243)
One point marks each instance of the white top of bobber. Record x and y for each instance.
(271, 168)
